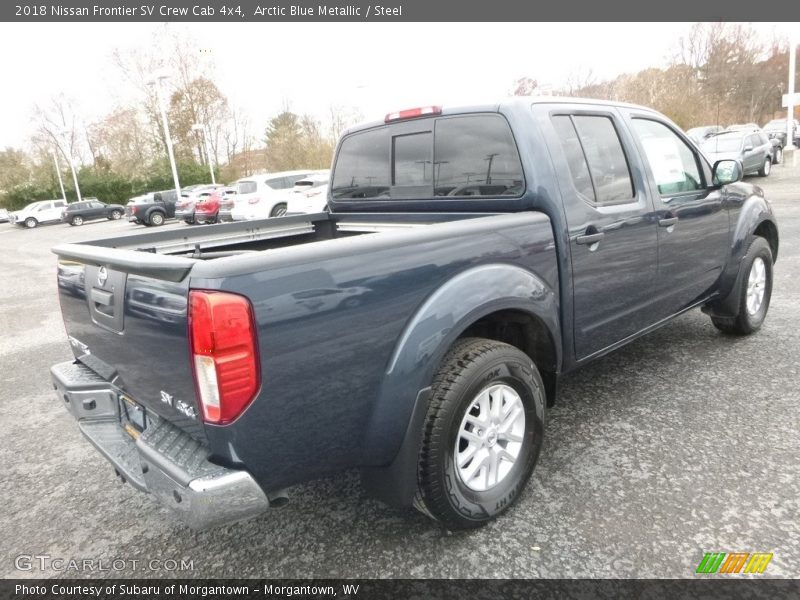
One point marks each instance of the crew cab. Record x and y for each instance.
(418, 330)
(152, 209)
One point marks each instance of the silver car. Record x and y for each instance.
(752, 148)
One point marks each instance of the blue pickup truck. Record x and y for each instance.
(417, 330)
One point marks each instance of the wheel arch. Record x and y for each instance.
(517, 307)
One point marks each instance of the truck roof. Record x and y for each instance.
(513, 101)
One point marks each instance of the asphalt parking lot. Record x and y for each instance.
(683, 442)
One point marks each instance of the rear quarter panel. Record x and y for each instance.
(331, 317)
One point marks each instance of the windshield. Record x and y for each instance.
(723, 144)
(31, 205)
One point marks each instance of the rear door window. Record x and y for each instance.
(605, 157)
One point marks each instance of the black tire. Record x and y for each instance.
(746, 322)
(115, 215)
(765, 168)
(278, 210)
(156, 219)
(470, 367)
(76, 220)
(778, 158)
(30, 222)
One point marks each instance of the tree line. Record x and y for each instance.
(123, 153)
(719, 74)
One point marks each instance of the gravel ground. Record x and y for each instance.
(681, 443)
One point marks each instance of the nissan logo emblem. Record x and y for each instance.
(102, 276)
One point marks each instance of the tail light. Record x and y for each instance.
(133, 210)
(222, 333)
(253, 200)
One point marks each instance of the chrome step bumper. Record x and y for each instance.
(164, 460)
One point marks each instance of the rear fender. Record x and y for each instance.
(393, 432)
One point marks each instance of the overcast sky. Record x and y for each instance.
(375, 67)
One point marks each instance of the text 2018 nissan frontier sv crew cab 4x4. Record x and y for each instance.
(416, 331)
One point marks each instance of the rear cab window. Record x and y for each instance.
(448, 157)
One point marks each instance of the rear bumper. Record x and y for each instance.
(163, 460)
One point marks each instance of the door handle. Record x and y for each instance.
(589, 238)
(667, 222)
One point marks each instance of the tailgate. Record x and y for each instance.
(125, 313)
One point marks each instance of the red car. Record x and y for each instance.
(207, 209)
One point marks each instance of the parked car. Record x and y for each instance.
(77, 213)
(742, 127)
(184, 207)
(4, 218)
(36, 213)
(261, 196)
(700, 134)
(207, 208)
(152, 209)
(309, 195)
(776, 129)
(752, 148)
(452, 317)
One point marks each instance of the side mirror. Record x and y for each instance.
(748, 147)
(727, 171)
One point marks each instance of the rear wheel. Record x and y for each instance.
(765, 168)
(156, 219)
(278, 210)
(76, 220)
(482, 433)
(755, 291)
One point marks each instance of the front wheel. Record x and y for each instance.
(482, 435)
(755, 291)
(278, 211)
(30, 222)
(765, 168)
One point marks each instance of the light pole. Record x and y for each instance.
(155, 81)
(202, 128)
(60, 181)
(71, 164)
(790, 103)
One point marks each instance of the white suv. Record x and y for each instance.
(262, 196)
(43, 211)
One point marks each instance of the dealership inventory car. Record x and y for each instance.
(152, 209)
(261, 196)
(184, 207)
(418, 331)
(206, 209)
(776, 129)
(699, 134)
(309, 195)
(4, 215)
(752, 148)
(36, 213)
(90, 209)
